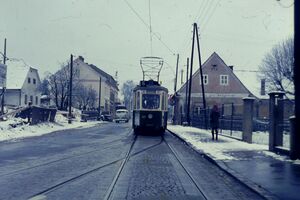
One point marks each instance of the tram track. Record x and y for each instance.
(212, 161)
(128, 156)
(64, 158)
(111, 187)
(200, 189)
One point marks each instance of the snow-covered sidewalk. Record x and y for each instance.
(223, 149)
(273, 176)
(7, 132)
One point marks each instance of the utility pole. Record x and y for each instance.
(3, 88)
(191, 77)
(70, 90)
(296, 75)
(99, 102)
(175, 85)
(200, 68)
(186, 87)
(181, 77)
(175, 93)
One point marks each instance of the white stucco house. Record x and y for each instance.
(22, 84)
(89, 76)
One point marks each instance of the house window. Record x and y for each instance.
(31, 99)
(223, 79)
(205, 79)
(25, 99)
(34, 81)
(36, 100)
(28, 80)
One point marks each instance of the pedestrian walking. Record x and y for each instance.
(214, 121)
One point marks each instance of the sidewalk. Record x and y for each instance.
(270, 174)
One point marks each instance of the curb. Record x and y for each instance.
(237, 176)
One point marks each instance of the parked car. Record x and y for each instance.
(105, 116)
(122, 115)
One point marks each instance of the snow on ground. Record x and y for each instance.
(201, 139)
(7, 132)
(258, 137)
(223, 148)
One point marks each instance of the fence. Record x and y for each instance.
(231, 118)
(264, 121)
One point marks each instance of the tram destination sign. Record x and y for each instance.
(3, 71)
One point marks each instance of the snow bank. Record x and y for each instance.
(220, 150)
(258, 137)
(7, 132)
(225, 148)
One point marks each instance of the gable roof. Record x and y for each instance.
(215, 59)
(109, 78)
(17, 71)
(251, 80)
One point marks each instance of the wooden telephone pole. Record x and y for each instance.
(70, 90)
(195, 33)
(3, 88)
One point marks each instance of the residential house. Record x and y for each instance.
(22, 84)
(89, 76)
(226, 88)
(258, 88)
(221, 86)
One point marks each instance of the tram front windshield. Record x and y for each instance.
(150, 101)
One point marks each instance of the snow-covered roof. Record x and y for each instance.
(252, 82)
(17, 71)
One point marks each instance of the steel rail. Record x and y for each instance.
(35, 196)
(110, 190)
(112, 185)
(200, 189)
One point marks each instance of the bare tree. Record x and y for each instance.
(277, 67)
(59, 85)
(127, 92)
(44, 87)
(85, 97)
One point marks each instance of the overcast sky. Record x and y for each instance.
(114, 34)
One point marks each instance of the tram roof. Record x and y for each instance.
(150, 85)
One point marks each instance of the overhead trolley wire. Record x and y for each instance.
(205, 8)
(148, 26)
(211, 14)
(205, 12)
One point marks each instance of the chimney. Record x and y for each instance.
(81, 58)
(263, 87)
(231, 67)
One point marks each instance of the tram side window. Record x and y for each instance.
(138, 100)
(150, 101)
(163, 101)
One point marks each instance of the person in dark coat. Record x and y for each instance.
(214, 121)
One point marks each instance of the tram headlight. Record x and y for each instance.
(150, 116)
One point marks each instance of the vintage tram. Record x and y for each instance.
(150, 108)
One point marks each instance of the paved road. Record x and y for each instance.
(82, 163)
(33, 165)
